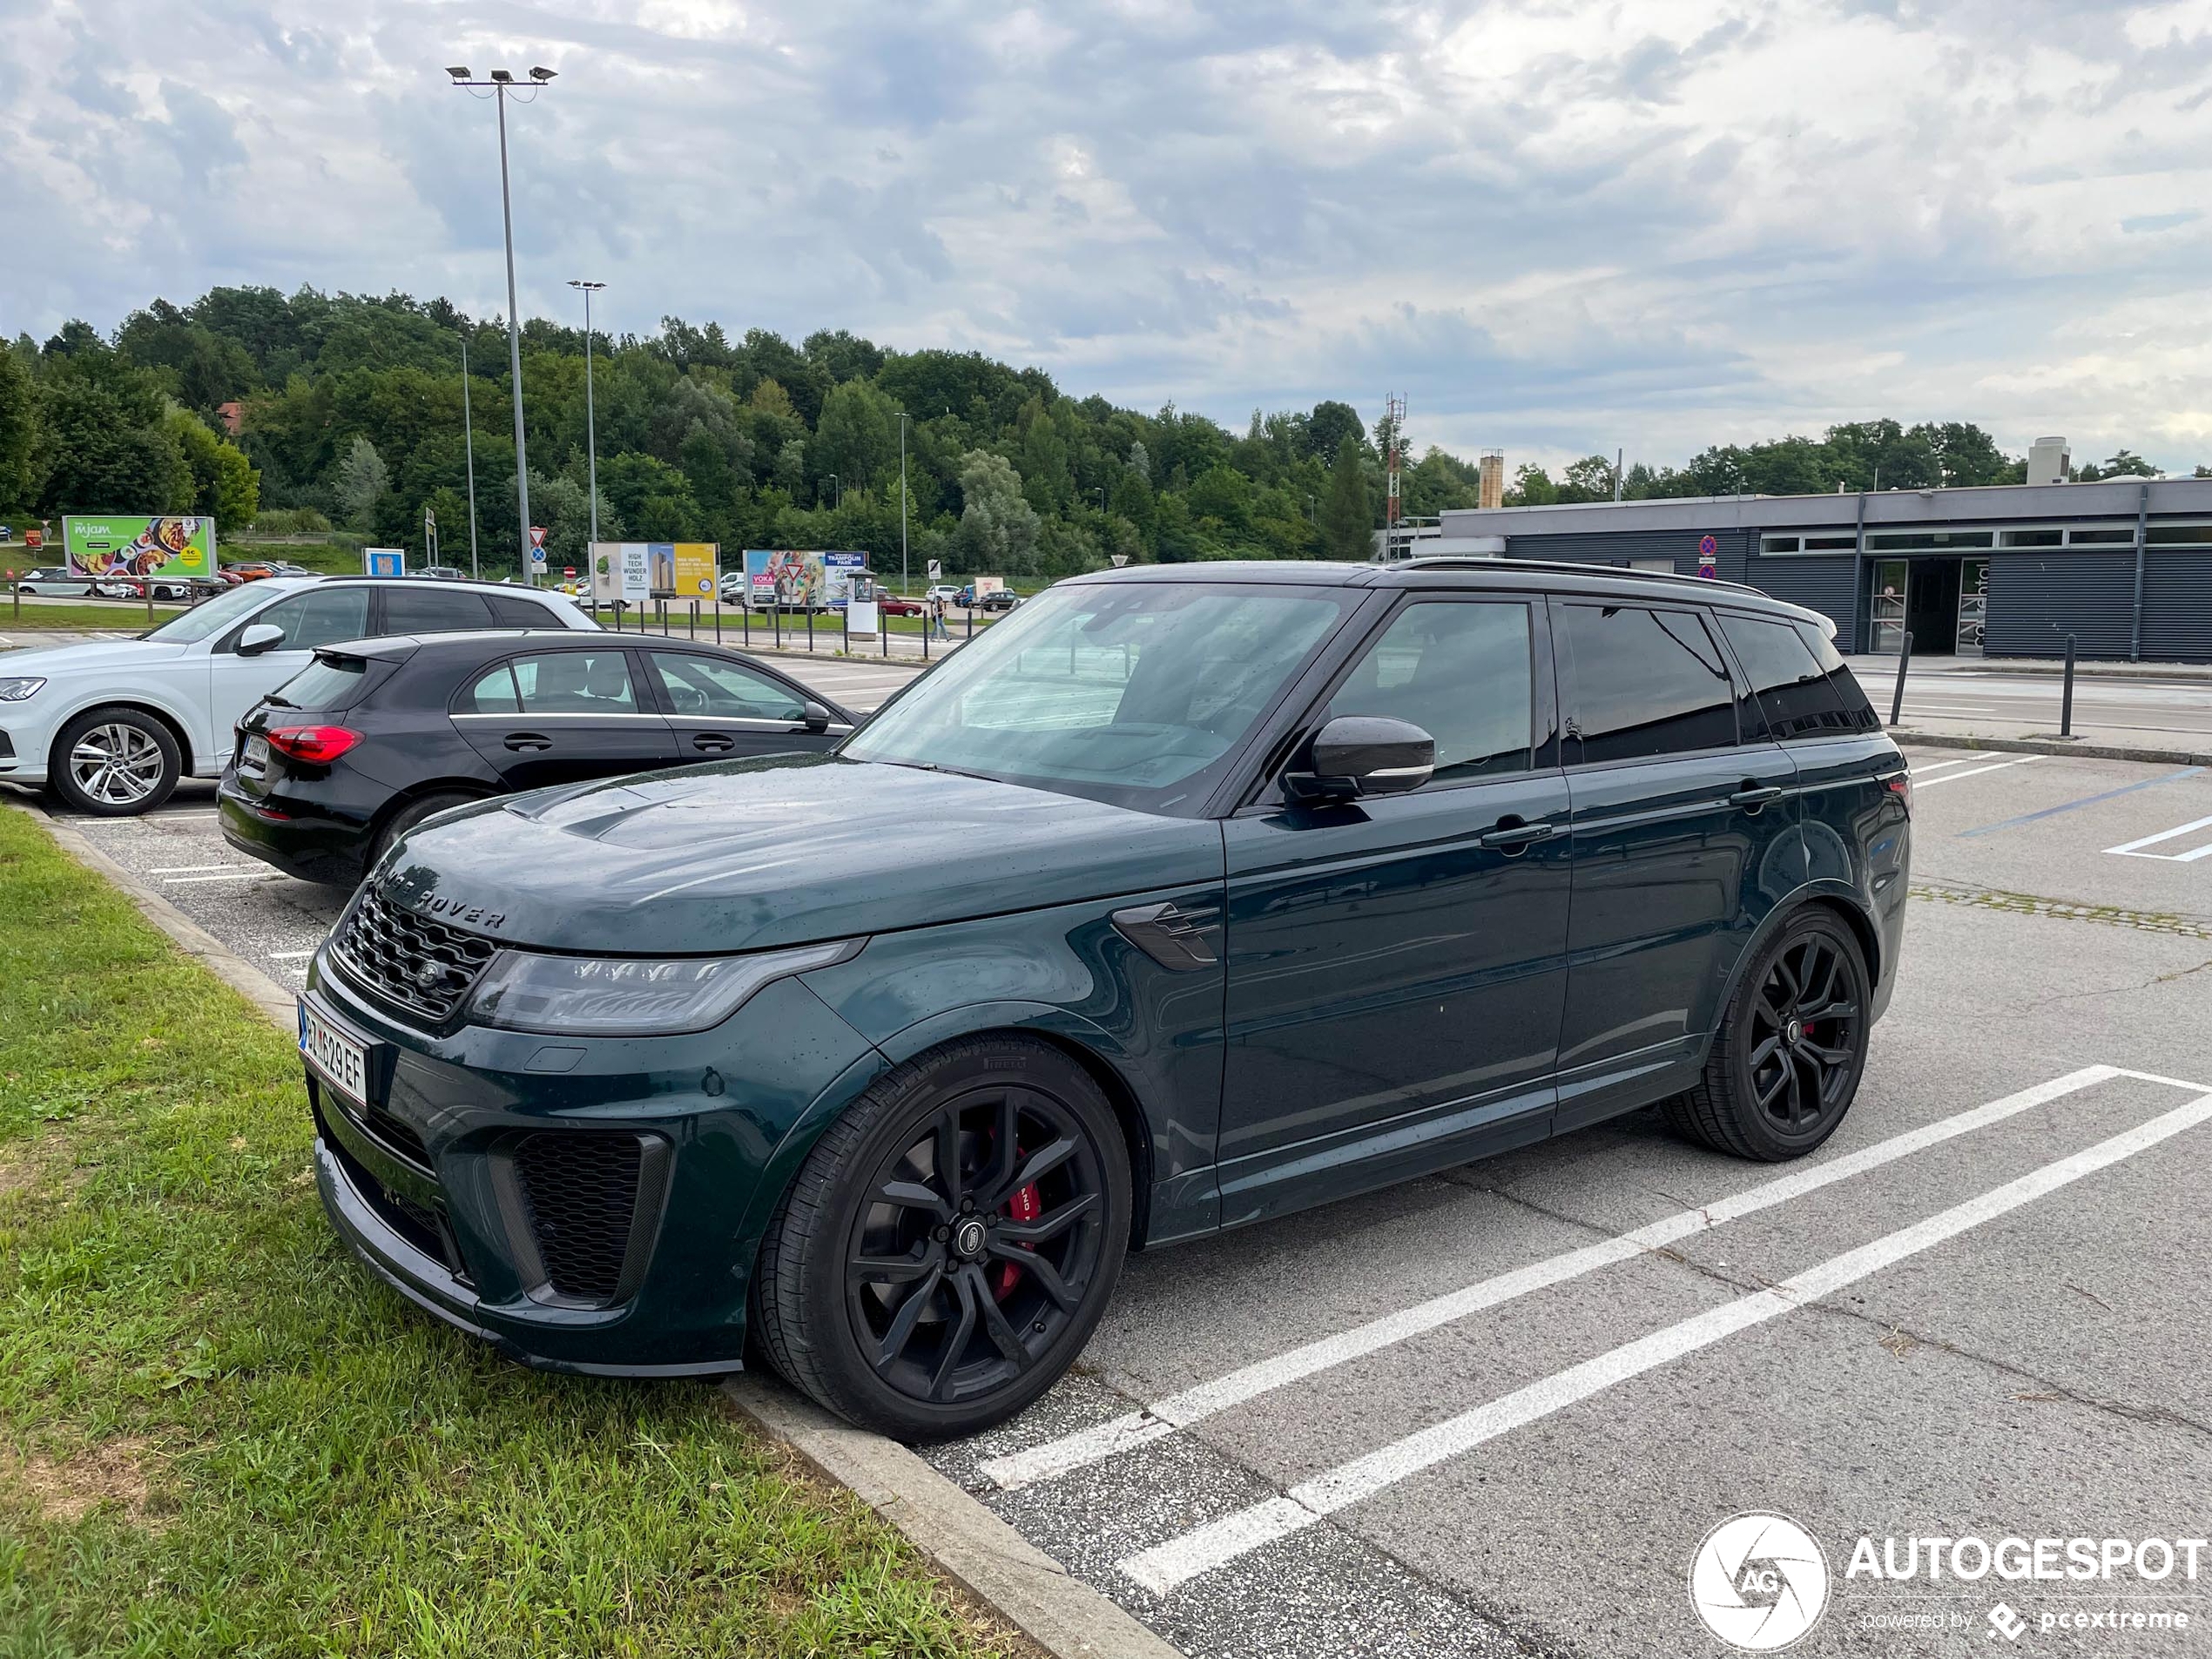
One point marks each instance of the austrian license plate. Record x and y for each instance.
(339, 1060)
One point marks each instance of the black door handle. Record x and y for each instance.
(520, 740)
(1751, 797)
(1514, 837)
(713, 743)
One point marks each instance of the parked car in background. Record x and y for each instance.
(944, 590)
(176, 587)
(251, 570)
(1185, 898)
(110, 727)
(443, 573)
(374, 737)
(55, 582)
(999, 600)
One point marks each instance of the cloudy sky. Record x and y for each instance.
(1555, 227)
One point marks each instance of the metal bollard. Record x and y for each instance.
(2066, 697)
(1904, 662)
(810, 627)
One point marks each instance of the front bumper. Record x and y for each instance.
(439, 1184)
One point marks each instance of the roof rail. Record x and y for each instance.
(1575, 567)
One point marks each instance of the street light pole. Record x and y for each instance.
(902, 503)
(838, 483)
(469, 444)
(502, 83)
(590, 428)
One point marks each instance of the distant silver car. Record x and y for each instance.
(57, 583)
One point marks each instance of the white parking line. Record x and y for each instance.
(1953, 777)
(191, 869)
(1071, 1452)
(290, 955)
(1164, 1567)
(2132, 849)
(1920, 772)
(234, 875)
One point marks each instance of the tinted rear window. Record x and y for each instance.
(434, 608)
(519, 613)
(326, 683)
(1788, 690)
(1851, 697)
(1646, 682)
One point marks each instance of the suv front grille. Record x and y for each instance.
(417, 965)
(580, 1198)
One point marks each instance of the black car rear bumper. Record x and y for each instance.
(310, 847)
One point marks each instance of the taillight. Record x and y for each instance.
(317, 745)
(1901, 787)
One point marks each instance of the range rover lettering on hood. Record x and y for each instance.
(409, 890)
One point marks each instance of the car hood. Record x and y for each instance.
(97, 654)
(783, 850)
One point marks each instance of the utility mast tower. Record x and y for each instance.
(1393, 456)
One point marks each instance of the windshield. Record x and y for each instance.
(210, 616)
(1136, 692)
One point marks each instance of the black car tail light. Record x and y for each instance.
(315, 745)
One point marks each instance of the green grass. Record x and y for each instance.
(113, 615)
(218, 1435)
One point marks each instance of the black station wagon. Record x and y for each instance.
(1186, 897)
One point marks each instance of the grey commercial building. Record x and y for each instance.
(2008, 570)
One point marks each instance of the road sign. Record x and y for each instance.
(1119, 559)
(537, 544)
(383, 561)
(34, 538)
(1709, 552)
(936, 570)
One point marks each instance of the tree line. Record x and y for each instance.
(348, 410)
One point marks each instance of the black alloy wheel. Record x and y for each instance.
(1785, 1064)
(1804, 1032)
(976, 1244)
(950, 1242)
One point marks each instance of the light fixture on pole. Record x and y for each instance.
(501, 86)
(469, 446)
(590, 428)
(837, 484)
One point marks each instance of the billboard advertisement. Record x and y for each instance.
(621, 572)
(799, 580)
(131, 544)
(383, 561)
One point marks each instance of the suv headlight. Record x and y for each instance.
(633, 996)
(15, 690)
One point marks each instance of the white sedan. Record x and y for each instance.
(56, 584)
(110, 727)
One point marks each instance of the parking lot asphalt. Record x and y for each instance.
(1494, 1411)
(1962, 695)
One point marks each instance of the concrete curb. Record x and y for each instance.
(964, 1539)
(249, 981)
(961, 1538)
(2055, 746)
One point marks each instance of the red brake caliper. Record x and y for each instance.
(1024, 1205)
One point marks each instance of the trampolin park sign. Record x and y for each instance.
(135, 545)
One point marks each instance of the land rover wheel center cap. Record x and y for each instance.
(967, 1238)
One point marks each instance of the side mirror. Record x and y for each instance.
(262, 636)
(817, 719)
(1355, 755)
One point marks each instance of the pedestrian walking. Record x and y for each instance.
(937, 629)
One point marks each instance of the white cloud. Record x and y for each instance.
(1558, 225)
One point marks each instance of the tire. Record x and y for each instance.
(913, 1316)
(114, 762)
(406, 818)
(1786, 1062)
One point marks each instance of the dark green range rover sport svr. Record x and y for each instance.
(1186, 897)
